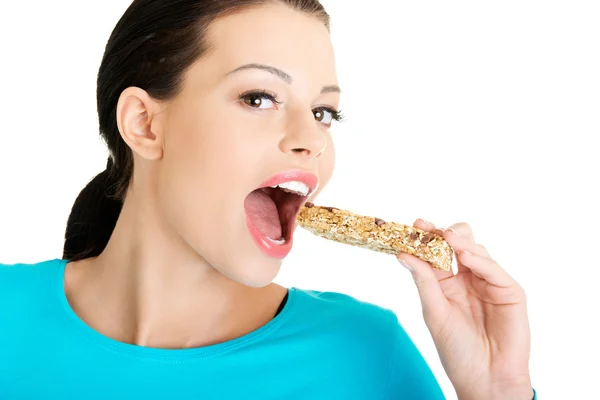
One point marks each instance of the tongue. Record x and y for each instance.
(262, 211)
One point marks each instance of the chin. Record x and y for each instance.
(255, 274)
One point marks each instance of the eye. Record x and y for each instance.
(260, 99)
(326, 115)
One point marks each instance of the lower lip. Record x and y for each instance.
(266, 246)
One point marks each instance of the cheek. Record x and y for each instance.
(206, 166)
(326, 165)
(189, 164)
(200, 174)
(204, 169)
(203, 145)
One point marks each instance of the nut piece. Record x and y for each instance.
(379, 221)
(427, 238)
(375, 234)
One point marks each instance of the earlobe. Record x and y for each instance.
(135, 112)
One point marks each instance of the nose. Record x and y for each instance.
(304, 138)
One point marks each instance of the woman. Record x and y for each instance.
(165, 286)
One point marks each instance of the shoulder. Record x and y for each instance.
(343, 306)
(26, 280)
(14, 271)
(28, 301)
(346, 314)
(376, 337)
(352, 334)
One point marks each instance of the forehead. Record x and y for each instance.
(275, 35)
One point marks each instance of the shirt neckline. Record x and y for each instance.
(168, 355)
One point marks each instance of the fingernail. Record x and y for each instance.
(424, 221)
(405, 264)
(465, 252)
(451, 230)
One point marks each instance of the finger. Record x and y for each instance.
(462, 229)
(424, 225)
(458, 243)
(460, 268)
(485, 268)
(433, 301)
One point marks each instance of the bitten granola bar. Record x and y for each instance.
(375, 234)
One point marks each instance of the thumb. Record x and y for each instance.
(434, 303)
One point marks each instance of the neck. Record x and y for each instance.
(149, 288)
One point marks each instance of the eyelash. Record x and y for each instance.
(335, 114)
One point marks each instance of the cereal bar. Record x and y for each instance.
(375, 234)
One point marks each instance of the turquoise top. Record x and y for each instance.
(322, 345)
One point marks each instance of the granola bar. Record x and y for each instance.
(375, 234)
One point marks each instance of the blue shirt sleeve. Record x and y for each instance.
(410, 378)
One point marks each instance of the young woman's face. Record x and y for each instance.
(255, 111)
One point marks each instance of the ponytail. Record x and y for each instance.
(93, 217)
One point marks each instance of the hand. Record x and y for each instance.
(477, 318)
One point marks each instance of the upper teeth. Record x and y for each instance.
(297, 187)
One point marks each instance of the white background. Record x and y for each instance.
(484, 112)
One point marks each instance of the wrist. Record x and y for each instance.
(507, 395)
(496, 392)
(524, 392)
(518, 389)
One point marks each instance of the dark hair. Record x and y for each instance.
(151, 47)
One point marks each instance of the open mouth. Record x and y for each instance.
(272, 210)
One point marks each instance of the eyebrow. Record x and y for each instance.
(284, 76)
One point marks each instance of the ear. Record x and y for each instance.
(137, 123)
